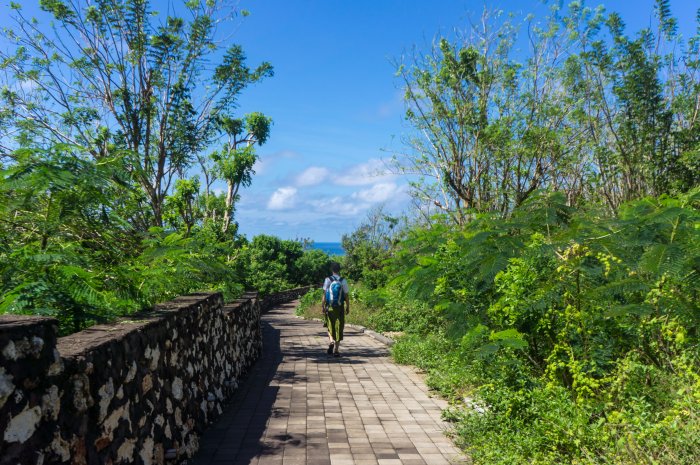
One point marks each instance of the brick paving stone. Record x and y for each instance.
(300, 406)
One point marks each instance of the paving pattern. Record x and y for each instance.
(299, 406)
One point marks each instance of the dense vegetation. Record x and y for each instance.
(556, 297)
(67, 250)
(571, 335)
(590, 112)
(103, 115)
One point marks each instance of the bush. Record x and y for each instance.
(399, 314)
(310, 304)
(273, 264)
(312, 267)
(575, 331)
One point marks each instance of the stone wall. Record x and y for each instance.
(273, 300)
(140, 390)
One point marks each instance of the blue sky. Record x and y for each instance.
(336, 108)
(336, 104)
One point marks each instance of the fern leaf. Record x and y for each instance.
(620, 289)
(660, 258)
(629, 309)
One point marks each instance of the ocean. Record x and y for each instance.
(331, 248)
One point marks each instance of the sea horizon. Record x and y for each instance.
(331, 248)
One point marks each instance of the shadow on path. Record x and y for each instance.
(350, 355)
(239, 431)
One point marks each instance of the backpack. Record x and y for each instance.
(334, 293)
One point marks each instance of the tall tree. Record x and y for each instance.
(589, 111)
(489, 129)
(182, 207)
(115, 73)
(234, 162)
(638, 101)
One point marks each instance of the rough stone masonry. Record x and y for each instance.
(139, 390)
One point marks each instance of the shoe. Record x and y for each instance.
(336, 354)
(330, 348)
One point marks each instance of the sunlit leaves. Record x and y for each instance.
(121, 65)
(234, 162)
(258, 125)
(62, 231)
(590, 110)
(590, 313)
(272, 263)
(58, 8)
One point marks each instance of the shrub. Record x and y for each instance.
(575, 331)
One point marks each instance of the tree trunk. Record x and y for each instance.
(229, 206)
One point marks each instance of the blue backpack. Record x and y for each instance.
(334, 294)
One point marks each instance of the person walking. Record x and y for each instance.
(336, 304)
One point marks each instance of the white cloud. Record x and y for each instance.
(380, 192)
(371, 172)
(337, 206)
(312, 176)
(282, 199)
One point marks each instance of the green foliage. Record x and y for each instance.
(434, 354)
(312, 267)
(564, 335)
(119, 78)
(172, 265)
(234, 162)
(181, 210)
(367, 247)
(273, 264)
(310, 303)
(123, 100)
(589, 110)
(66, 252)
(270, 261)
(59, 237)
(399, 314)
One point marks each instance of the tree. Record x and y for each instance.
(234, 162)
(182, 208)
(368, 247)
(589, 112)
(271, 263)
(114, 74)
(66, 252)
(489, 129)
(636, 99)
(312, 267)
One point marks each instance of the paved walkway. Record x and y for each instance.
(299, 406)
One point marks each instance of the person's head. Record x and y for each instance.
(335, 267)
